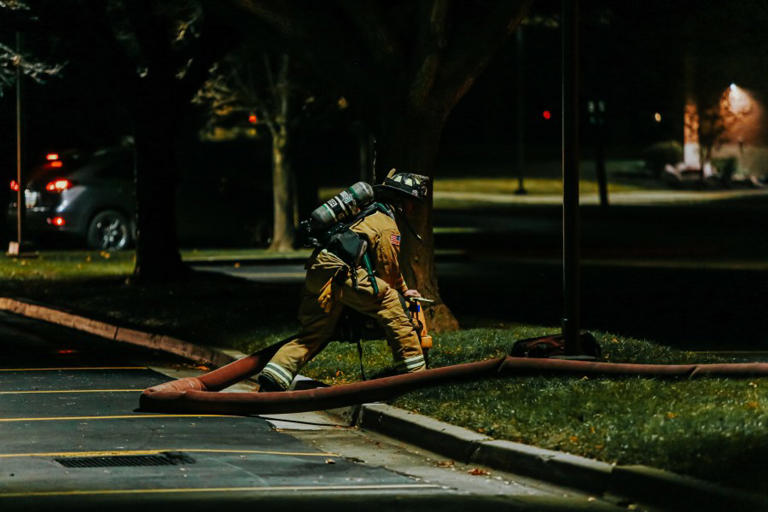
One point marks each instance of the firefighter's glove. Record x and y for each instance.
(325, 299)
(411, 293)
(330, 292)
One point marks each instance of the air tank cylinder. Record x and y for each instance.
(343, 206)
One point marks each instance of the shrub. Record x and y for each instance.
(660, 154)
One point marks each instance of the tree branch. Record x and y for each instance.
(320, 34)
(270, 80)
(204, 51)
(276, 15)
(368, 18)
(474, 44)
(283, 89)
(433, 42)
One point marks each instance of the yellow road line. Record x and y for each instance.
(373, 487)
(37, 391)
(70, 368)
(110, 453)
(119, 417)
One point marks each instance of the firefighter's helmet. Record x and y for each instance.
(404, 184)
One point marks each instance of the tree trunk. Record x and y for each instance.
(283, 196)
(157, 251)
(409, 142)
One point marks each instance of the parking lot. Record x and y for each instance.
(70, 431)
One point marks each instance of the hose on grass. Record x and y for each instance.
(202, 394)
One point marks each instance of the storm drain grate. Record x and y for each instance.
(160, 459)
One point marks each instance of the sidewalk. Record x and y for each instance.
(655, 197)
(644, 484)
(264, 257)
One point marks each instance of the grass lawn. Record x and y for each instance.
(535, 186)
(508, 185)
(710, 428)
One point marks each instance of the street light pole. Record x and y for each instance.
(20, 191)
(520, 113)
(570, 169)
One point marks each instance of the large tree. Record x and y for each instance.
(158, 54)
(170, 49)
(404, 66)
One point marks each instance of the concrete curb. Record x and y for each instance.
(162, 342)
(645, 484)
(642, 483)
(212, 262)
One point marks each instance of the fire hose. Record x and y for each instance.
(202, 394)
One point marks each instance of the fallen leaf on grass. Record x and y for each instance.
(478, 472)
(752, 405)
(671, 415)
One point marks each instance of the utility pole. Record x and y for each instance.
(596, 109)
(570, 169)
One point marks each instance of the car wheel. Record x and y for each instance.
(109, 231)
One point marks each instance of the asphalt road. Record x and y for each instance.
(72, 439)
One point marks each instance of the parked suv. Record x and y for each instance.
(87, 195)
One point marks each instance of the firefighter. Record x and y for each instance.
(336, 278)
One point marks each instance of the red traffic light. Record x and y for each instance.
(546, 115)
(253, 119)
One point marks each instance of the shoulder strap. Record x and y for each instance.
(370, 210)
(322, 240)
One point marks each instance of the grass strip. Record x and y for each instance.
(535, 186)
(711, 428)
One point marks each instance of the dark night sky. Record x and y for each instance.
(632, 56)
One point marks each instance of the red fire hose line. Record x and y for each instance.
(200, 394)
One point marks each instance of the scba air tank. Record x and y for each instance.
(344, 205)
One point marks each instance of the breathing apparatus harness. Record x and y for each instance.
(352, 249)
(349, 246)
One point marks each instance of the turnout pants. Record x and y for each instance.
(318, 323)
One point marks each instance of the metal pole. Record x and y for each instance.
(602, 177)
(570, 168)
(20, 191)
(520, 114)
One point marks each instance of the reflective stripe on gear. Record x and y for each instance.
(280, 375)
(411, 364)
